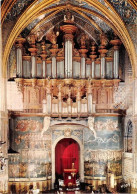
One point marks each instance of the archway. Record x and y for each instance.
(67, 160)
(81, 157)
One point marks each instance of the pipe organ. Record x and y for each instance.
(49, 63)
(68, 61)
(65, 87)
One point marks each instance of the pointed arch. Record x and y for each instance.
(35, 10)
(81, 157)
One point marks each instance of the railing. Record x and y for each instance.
(60, 107)
(65, 113)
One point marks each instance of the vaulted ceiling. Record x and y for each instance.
(94, 17)
(11, 9)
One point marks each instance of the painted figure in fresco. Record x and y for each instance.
(27, 125)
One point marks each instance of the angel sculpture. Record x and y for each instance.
(52, 36)
(91, 125)
(46, 125)
(104, 39)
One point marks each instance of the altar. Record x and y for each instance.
(70, 177)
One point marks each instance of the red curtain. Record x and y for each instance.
(66, 153)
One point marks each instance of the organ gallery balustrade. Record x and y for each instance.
(66, 97)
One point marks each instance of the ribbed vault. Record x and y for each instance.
(92, 12)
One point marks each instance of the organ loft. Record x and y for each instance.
(69, 99)
(65, 80)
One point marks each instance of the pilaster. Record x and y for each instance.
(3, 128)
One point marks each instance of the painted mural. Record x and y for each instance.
(126, 11)
(102, 149)
(102, 152)
(103, 162)
(34, 149)
(108, 135)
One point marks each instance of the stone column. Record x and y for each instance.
(116, 43)
(19, 45)
(54, 51)
(134, 136)
(3, 121)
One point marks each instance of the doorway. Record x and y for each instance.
(81, 157)
(67, 159)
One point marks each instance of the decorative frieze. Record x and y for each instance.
(76, 97)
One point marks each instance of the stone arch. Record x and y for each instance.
(81, 171)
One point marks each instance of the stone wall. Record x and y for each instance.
(103, 151)
(128, 167)
(30, 151)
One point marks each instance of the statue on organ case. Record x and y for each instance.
(68, 17)
(52, 36)
(83, 41)
(104, 40)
